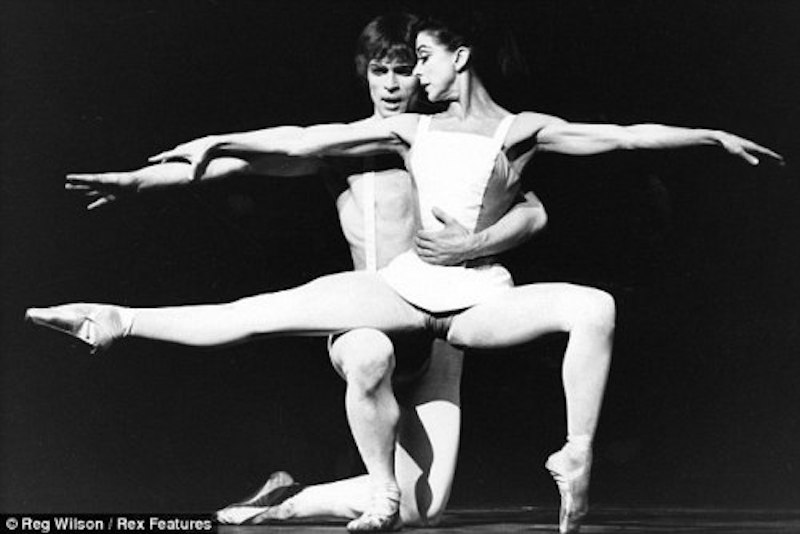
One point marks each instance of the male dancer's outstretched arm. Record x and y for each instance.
(105, 187)
(452, 245)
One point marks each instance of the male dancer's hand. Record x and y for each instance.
(451, 245)
(102, 188)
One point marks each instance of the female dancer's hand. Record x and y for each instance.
(745, 149)
(197, 153)
(190, 151)
(102, 188)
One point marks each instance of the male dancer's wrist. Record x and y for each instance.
(473, 247)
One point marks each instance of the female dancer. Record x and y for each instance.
(467, 161)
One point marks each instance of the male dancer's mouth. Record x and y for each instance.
(392, 103)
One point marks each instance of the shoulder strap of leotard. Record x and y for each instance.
(423, 125)
(370, 242)
(502, 131)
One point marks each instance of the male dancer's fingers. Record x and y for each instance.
(101, 178)
(424, 239)
(425, 253)
(88, 191)
(77, 187)
(101, 202)
(443, 217)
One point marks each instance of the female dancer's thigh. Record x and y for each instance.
(331, 304)
(522, 314)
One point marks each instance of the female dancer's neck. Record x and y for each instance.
(473, 100)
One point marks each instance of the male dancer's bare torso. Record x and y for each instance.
(376, 207)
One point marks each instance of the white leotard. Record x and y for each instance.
(469, 177)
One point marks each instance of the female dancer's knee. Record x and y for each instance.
(592, 309)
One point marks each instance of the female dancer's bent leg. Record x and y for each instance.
(587, 315)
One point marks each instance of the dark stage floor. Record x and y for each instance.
(602, 520)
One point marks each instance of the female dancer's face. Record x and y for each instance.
(392, 84)
(436, 68)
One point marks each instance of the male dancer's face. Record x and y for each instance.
(392, 84)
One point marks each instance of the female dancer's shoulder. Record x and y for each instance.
(528, 124)
(402, 127)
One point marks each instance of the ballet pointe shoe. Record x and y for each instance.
(383, 514)
(571, 475)
(264, 504)
(97, 325)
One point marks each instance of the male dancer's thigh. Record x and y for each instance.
(428, 435)
(519, 315)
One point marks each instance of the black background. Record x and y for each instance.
(699, 249)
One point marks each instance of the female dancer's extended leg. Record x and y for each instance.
(587, 315)
(326, 305)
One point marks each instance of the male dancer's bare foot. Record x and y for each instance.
(571, 470)
(97, 325)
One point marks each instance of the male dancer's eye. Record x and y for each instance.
(405, 70)
(378, 70)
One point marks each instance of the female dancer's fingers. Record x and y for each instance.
(162, 156)
(764, 151)
(749, 158)
(746, 149)
(201, 161)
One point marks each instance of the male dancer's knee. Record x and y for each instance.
(365, 358)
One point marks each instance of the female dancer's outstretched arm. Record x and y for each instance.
(556, 135)
(360, 138)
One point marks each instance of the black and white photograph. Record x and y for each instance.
(371, 266)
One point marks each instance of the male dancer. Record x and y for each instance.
(378, 216)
